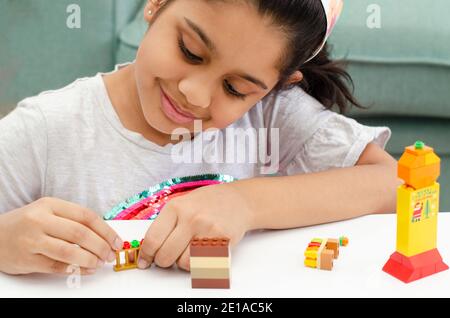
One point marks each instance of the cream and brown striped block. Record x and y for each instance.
(210, 263)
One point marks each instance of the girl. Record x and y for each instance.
(243, 64)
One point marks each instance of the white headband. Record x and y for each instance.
(333, 9)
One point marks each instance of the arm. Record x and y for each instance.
(23, 156)
(337, 194)
(39, 235)
(232, 209)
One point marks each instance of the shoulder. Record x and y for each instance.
(294, 100)
(283, 108)
(295, 113)
(71, 102)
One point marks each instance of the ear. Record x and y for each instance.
(297, 76)
(154, 6)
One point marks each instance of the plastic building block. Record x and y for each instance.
(419, 166)
(343, 241)
(210, 262)
(131, 253)
(416, 254)
(326, 260)
(320, 253)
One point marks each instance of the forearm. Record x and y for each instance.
(307, 199)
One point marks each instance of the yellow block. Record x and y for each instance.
(310, 262)
(311, 253)
(417, 212)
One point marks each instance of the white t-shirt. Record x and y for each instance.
(70, 144)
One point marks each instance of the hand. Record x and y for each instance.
(211, 211)
(49, 234)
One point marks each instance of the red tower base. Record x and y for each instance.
(409, 269)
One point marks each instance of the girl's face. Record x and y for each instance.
(214, 60)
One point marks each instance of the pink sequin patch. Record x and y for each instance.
(149, 207)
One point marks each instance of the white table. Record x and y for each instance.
(264, 264)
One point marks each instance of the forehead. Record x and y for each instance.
(244, 40)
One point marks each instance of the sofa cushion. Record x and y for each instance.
(130, 38)
(403, 67)
(39, 52)
(405, 131)
(401, 90)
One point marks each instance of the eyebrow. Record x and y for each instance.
(210, 45)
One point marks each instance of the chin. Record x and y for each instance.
(156, 123)
(156, 119)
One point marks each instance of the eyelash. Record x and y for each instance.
(191, 57)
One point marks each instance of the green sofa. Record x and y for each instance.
(39, 52)
(401, 70)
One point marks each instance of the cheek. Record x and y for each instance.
(143, 67)
(157, 57)
(222, 117)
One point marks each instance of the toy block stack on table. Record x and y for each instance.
(321, 252)
(131, 253)
(416, 254)
(210, 262)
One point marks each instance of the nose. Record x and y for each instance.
(197, 91)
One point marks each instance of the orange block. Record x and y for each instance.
(419, 166)
(326, 260)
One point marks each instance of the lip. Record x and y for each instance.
(173, 111)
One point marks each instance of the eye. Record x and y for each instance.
(232, 91)
(195, 59)
(187, 53)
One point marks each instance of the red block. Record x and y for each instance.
(408, 269)
(209, 247)
(211, 283)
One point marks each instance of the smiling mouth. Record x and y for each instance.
(177, 107)
(173, 111)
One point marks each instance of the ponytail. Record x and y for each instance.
(328, 82)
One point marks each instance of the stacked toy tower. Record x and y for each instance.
(417, 212)
(210, 263)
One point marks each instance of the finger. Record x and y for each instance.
(68, 253)
(88, 218)
(173, 246)
(79, 234)
(155, 236)
(46, 265)
(184, 262)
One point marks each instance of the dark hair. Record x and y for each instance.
(304, 24)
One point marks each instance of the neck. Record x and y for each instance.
(122, 91)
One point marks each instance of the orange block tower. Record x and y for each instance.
(416, 254)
